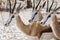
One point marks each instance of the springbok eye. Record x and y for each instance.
(49, 16)
(13, 16)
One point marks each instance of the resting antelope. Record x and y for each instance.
(55, 25)
(49, 11)
(36, 9)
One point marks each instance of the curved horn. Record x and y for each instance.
(18, 8)
(14, 6)
(57, 8)
(38, 4)
(43, 4)
(47, 6)
(51, 5)
(33, 4)
(10, 5)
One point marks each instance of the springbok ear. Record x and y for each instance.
(54, 18)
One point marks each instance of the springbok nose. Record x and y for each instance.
(6, 25)
(30, 20)
(43, 23)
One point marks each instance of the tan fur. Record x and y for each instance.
(33, 29)
(40, 16)
(56, 27)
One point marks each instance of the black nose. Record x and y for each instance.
(43, 23)
(5, 24)
(13, 16)
(30, 20)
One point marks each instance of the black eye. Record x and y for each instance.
(13, 16)
(36, 13)
(49, 16)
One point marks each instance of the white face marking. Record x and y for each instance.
(33, 12)
(45, 19)
(9, 19)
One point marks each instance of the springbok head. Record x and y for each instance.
(13, 12)
(35, 9)
(49, 11)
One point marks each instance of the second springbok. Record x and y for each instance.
(55, 25)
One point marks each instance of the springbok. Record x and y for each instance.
(55, 25)
(48, 12)
(36, 9)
